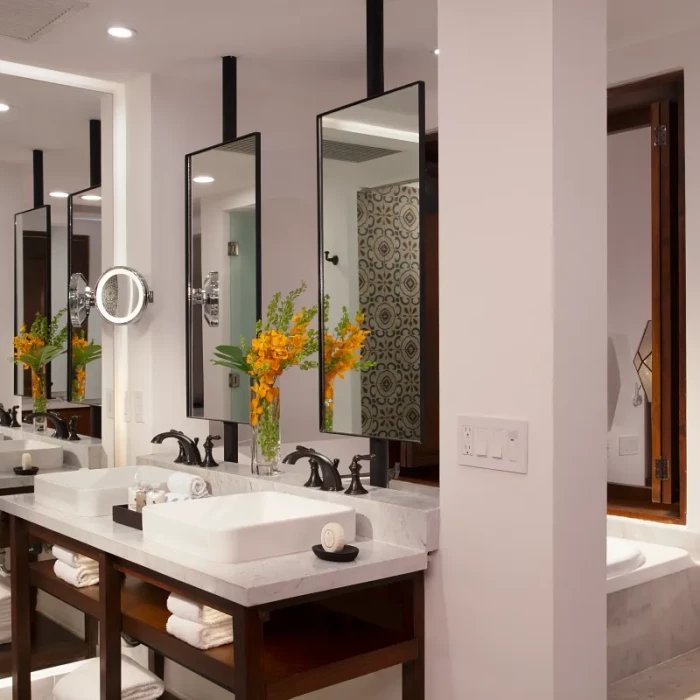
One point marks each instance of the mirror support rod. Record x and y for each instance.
(375, 47)
(229, 95)
(38, 175)
(229, 100)
(95, 153)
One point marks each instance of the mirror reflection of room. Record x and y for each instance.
(50, 158)
(371, 242)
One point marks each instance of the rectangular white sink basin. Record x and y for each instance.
(43, 454)
(93, 492)
(244, 527)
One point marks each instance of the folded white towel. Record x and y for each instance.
(196, 612)
(87, 575)
(5, 635)
(5, 595)
(70, 558)
(188, 485)
(84, 683)
(176, 497)
(198, 635)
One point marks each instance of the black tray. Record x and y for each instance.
(347, 553)
(130, 518)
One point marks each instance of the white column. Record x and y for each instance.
(517, 605)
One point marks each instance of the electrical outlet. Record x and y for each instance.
(628, 445)
(467, 440)
(493, 443)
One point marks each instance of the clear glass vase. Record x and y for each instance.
(39, 397)
(78, 387)
(266, 444)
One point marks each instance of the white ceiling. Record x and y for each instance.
(44, 116)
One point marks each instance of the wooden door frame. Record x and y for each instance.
(632, 106)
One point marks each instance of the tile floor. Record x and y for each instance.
(677, 679)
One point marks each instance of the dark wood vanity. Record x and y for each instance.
(281, 649)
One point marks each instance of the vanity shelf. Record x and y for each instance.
(281, 650)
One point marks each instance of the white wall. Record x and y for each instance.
(629, 297)
(516, 597)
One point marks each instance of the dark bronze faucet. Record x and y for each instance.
(5, 417)
(186, 443)
(59, 425)
(329, 467)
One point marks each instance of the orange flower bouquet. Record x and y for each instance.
(342, 353)
(35, 349)
(83, 353)
(284, 341)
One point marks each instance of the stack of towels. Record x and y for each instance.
(77, 570)
(185, 487)
(5, 615)
(84, 682)
(198, 625)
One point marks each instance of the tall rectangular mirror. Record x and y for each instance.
(32, 278)
(371, 166)
(85, 257)
(223, 272)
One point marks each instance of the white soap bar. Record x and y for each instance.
(26, 461)
(333, 537)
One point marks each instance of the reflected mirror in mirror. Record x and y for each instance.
(371, 179)
(32, 278)
(223, 264)
(85, 235)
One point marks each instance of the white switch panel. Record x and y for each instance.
(494, 443)
(138, 406)
(628, 445)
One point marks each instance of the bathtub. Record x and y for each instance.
(630, 563)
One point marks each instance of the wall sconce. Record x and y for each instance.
(642, 360)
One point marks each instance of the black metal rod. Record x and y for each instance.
(38, 174)
(379, 466)
(229, 95)
(375, 47)
(95, 153)
(230, 442)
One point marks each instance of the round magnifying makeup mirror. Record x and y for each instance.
(80, 299)
(122, 295)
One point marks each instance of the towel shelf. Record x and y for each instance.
(280, 651)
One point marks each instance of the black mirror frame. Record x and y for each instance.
(421, 239)
(188, 253)
(47, 296)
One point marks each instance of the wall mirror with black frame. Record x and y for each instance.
(33, 280)
(85, 258)
(371, 157)
(223, 272)
(646, 300)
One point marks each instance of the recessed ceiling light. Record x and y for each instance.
(91, 197)
(203, 179)
(121, 32)
(436, 52)
(4, 107)
(59, 195)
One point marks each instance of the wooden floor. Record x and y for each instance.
(677, 679)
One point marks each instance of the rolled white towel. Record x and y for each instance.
(195, 612)
(198, 635)
(187, 485)
(84, 683)
(5, 595)
(81, 577)
(70, 558)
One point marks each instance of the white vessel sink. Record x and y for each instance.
(93, 492)
(43, 454)
(244, 527)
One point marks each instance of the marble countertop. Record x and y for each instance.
(251, 583)
(10, 480)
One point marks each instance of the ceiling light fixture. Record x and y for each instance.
(91, 197)
(4, 107)
(121, 32)
(203, 179)
(59, 195)
(436, 52)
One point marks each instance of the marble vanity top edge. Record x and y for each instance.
(248, 584)
(10, 480)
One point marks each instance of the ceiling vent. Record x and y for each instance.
(27, 20)
(353, 152)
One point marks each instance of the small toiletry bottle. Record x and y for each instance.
(136, 496)
(155, 496)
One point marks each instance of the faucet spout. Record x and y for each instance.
(186, 443)
(329, 467)
(59, 425)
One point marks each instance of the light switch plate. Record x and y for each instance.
(628, 445)
(110, 403)
(498, 443)
(138, 406)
